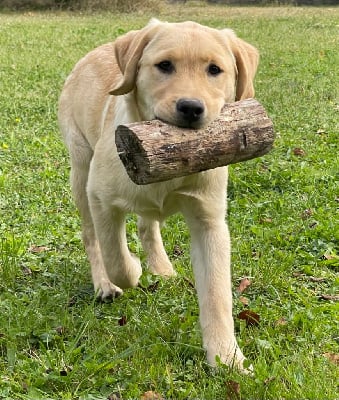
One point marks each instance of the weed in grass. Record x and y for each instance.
(56, 342)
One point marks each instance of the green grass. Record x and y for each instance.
(56, 342)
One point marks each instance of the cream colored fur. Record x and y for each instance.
(121, 82)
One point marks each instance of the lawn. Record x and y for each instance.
(57, 342)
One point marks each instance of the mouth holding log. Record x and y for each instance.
(154, 151)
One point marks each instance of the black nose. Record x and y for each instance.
(190, 110)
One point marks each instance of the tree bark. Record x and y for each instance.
(153, 151)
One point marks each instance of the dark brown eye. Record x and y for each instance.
(165, 66)
(214, 70)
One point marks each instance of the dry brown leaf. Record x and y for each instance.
(60, 330)
(316, 279)
(306, 213)
(122, 321)
(153, 287)
(177, 251)
(150, 395)
(334, 358)
(281, 321)
(299, 152)
(329, 256)
(26, 270)
(308, 277)
(233, 390)
(38, 249)
(267, 381)
(114, 396)
(244, 300)
(250, 317)
(331, 297)
(266, 220)
(244, 284)
(189, 282)
(256, 255)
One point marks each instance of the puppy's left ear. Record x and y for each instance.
(128, 50)
(247, 59)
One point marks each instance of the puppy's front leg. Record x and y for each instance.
(123, 268)
(210, 252)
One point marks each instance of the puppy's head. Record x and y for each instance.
(184, 73)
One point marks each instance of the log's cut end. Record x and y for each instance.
(153, 151)
(131, 153)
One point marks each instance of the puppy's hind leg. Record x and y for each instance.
(149, 232)
(81, 155)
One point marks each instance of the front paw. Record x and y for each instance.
(230, 355)
(107, 291)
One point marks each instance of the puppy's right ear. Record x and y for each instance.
(128, 50)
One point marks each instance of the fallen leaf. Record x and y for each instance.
(72, 301)
(316, 279)
(329, 256)
(299, 152)
(60, 330)
(233, 390)
(250, 317)
(244, 300)
(122, 321)
(308, 277)
(244, 284)
(334, 358)
(281, 322)
(114, 396)
(26, 270)
(266, 220)
(150, 395)
(153, 287)
(65, 371)
(307, 213)
(177, 251)
(331, 297)
(25, 386)
(189, 282)
(267, 381)
(331, 260)
(256, 255)
(38, 249)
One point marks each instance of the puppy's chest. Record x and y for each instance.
(155, 202)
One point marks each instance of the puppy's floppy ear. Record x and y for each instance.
(128, 51)
(247, 59)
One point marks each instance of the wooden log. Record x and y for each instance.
(153, 151)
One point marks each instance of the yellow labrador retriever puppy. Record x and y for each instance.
(181, 73)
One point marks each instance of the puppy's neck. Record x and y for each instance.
(126, 109)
